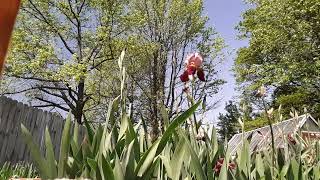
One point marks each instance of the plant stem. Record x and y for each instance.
(271, 130)
(192, 103)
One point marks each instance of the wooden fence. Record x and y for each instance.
(12, 114)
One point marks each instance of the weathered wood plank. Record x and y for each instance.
(6, 120)
(12, 130)
(26, 123)
(18, 142)
(12, 115)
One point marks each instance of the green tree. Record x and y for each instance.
(64, 55)
(228, 122)
(283, 52)
(60, 49)
(167, 31)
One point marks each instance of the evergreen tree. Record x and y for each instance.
(227, 125)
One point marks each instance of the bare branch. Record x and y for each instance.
(71, 9)
(51, 103)
(34, 78)
(100, 63)
(81, 6)
(65, 98)
(21, 91)
(51, 93)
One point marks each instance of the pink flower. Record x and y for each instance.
(193, 65)
(194, 59)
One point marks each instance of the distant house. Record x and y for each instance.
(261, 138)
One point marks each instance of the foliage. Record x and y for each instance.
(59, 49)
(64, 55)
(283, 52)
(228, 122)
(258, 122)
(127, 153)
(118, 149)
(177, 154)
(18, 170)
(112, 151)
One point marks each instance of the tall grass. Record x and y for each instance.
(17, 170)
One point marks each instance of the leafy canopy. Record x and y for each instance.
(283, 51)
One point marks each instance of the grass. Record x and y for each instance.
(17, 170)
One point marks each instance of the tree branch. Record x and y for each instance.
(81, 6)
(34, 78)
(99, 63)
(54, 28)
(65, 98)
(51, 103)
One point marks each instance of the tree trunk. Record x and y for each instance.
(78, 110)
(154, 104)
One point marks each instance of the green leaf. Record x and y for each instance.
(159, 145)
(64, 147)
(195, 162)
(75, 149)
(35, 152)
(177, 159)
(95, 173)
(294, 170)
(89, 131)
(51, 161)
(112, 108)
(166, 162)
(97, 139)
(106, 144)
(214, 143)
(117, 170)
(92, 163)
(106, 170)
(244, 157)
(123, 127)
(175, 123)
(128, 161)
(147, 159)
(259, 165)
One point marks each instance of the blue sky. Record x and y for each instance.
(224, 16)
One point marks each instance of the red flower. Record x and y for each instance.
(218, 166)
(195, 59)
(193, 66)
(232, 166)
(200, 74)
(184, 77)
(219, 163)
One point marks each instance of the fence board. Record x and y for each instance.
(12, 115)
